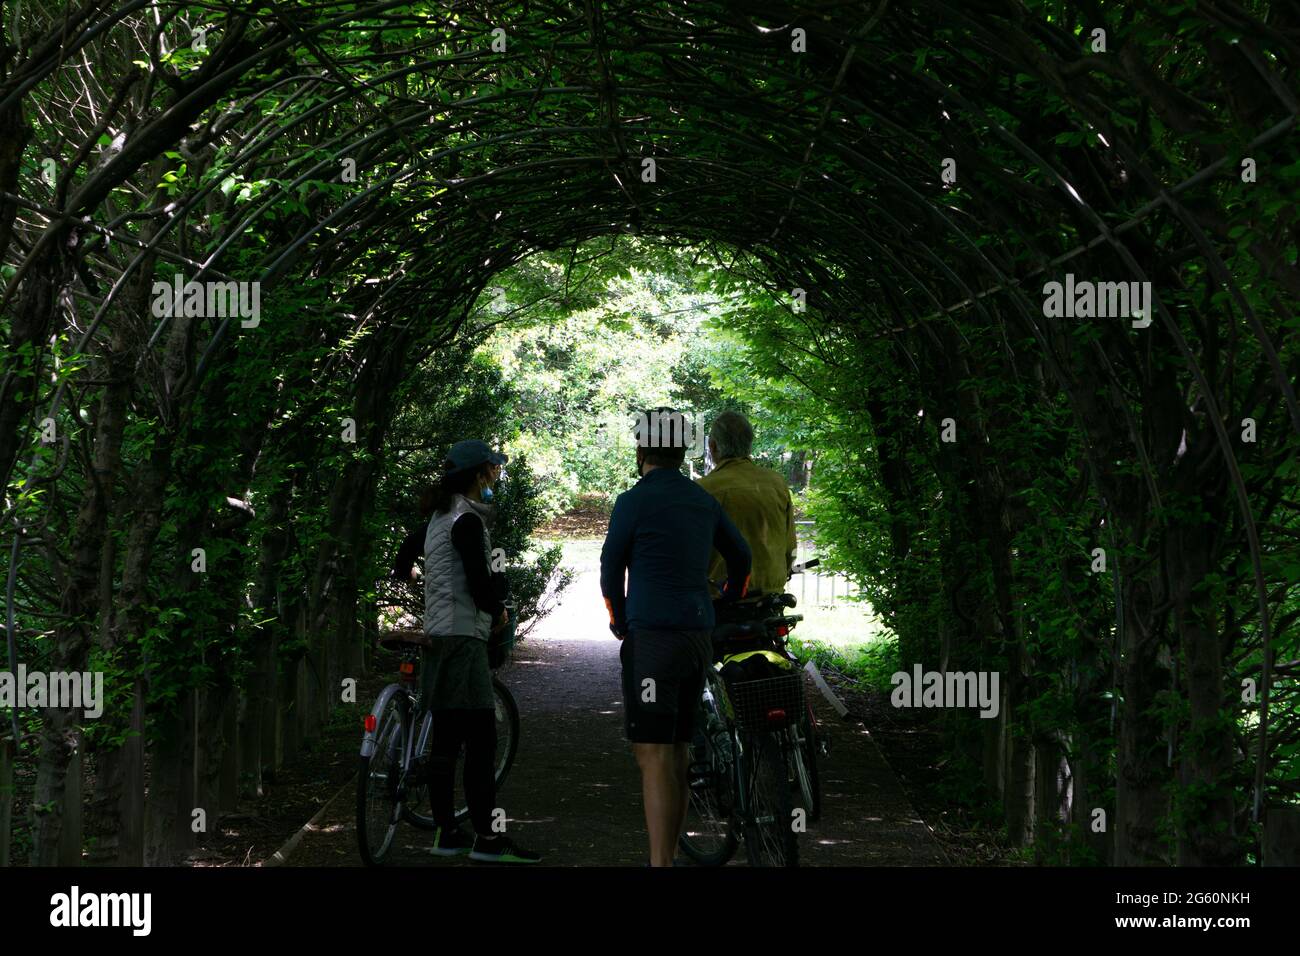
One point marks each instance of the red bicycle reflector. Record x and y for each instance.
(783, 629)
(406, 667)
(371, 723)
(775, 715)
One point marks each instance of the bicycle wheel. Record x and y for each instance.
(417, 793)
(507, 724)
(507, 718)
(708, 837)
(770, 839)
(379, 801)
(803, 766)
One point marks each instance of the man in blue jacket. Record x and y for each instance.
(662, 534)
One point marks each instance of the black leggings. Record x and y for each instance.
(477, 730)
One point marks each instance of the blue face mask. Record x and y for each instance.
(486, 494)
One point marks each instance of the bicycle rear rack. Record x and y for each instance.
(770, 704)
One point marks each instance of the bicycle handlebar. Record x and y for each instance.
(794, 569)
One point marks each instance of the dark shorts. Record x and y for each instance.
(663, 679)
(454, 674)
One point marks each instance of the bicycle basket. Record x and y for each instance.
(769, 704)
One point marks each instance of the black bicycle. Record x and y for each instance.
(753, 772)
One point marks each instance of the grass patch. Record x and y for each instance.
(579, 551)
(845, 624)
(870, 664)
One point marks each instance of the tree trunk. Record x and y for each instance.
(1281, 842)
(1205, 768)
(228, 774)
(165, 839)
(1141, 804)
(71, 836)
(6, 796)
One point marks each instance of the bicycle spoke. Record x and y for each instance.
(708, 838)
(768, 840)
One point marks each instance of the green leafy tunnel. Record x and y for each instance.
(1098, 498)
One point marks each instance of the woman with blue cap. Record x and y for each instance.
(462, 612)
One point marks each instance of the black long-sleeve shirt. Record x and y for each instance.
(661, 535)
(467, 538)
(411, 548)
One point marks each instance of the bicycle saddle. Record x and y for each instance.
(406, 637)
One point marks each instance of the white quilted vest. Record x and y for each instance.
(449, 608)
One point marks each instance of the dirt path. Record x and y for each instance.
(574, 792)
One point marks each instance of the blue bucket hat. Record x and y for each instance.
(470, 454)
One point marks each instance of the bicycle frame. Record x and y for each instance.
(755, 751)
(747, 771)
(738, 764)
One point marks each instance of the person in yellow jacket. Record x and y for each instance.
(756, 499)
